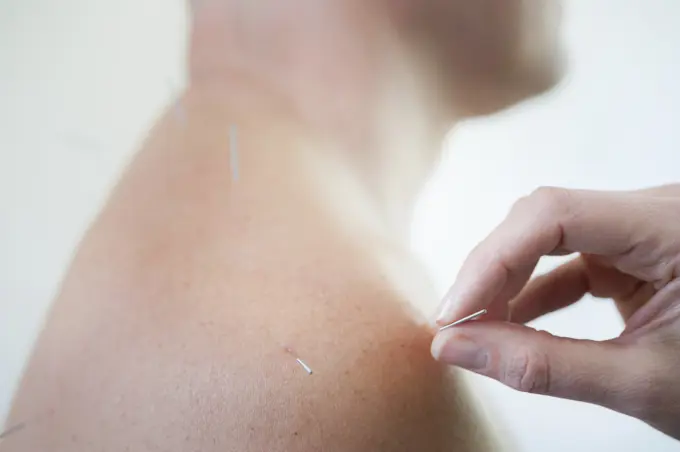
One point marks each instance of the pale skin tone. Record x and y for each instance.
(178, 322)
(629, 245)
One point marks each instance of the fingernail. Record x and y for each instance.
(459, 350)
(445, 309)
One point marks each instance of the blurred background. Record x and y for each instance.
(81, 81)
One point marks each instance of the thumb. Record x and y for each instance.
(604, 373)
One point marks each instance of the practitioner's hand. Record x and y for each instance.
(630, 252)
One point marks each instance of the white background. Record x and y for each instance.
(81, 80)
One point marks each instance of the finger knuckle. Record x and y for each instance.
(551, 201)
(528, 370)
(543, 203)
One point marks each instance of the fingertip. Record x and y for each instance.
(438, 344)
(456, 349)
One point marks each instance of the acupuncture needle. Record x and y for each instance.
(233, 152)
(12, 430)
(474, 316)
(299, 361)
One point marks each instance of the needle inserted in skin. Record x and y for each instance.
(474, 316)
(299, 361)
(12, 430)
(233, 152)
(304, 366)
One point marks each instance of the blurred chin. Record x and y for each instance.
(542, 73)
(531, 73)
(541, 55)
(498, 91)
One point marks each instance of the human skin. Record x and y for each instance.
(629, 252)
(180, 318)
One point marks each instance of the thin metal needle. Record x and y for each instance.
(12, 430)
(474, 316)
(233, 152)
(304, 366)
(299, 361)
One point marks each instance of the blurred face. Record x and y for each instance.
(477, 56)
(488, 53)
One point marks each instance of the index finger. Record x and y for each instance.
(549, 220)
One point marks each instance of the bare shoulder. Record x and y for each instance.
(244, 363)
(184, 324)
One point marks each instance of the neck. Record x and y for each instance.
(362, 110)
